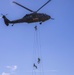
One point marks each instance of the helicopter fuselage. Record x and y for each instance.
(33, 17)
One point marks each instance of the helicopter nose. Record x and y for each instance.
(48, 17)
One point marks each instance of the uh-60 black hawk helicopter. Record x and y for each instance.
(29, 18)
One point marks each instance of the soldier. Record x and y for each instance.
(35, 27)
(38, 60)
(35, 65)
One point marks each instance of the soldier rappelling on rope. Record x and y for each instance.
(34, 65)
(39, 60)
(35, 27)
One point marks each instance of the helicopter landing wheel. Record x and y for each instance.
(12, 24)
(40, 23)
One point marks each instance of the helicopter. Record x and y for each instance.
(34, 16)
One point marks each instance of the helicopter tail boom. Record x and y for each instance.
(6, 20)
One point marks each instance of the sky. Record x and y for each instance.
(19, 48)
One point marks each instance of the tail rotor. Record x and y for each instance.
(5, 19)
(3, 15)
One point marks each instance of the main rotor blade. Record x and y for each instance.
(43, 5)
(23, 6)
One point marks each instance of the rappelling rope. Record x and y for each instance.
(37, 53)
(40, 53)
(35, 43)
